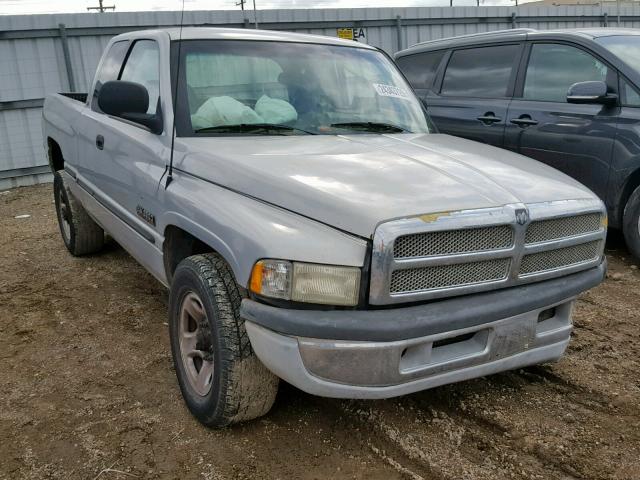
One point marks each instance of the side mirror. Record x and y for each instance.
(590, 92)
(130, 101)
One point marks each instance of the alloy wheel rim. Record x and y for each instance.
(195, 344)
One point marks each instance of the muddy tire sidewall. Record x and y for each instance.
(85, 236)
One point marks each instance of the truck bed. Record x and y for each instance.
(61, 115)
(79, 96)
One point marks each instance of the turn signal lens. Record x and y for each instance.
(306, 282)
(272, 278)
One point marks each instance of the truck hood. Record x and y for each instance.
(355, 182)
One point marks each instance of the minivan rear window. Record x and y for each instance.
(420, 69)
(482, 72)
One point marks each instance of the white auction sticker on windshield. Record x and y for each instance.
(390, 91)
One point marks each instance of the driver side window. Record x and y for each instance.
(553, 68)
(109, 70)
(143, 66)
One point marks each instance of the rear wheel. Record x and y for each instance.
(631, 223)
(80, 233)
(221, 379)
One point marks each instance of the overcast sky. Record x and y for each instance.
(17, 7)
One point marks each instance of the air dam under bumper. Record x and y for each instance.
(348, 368)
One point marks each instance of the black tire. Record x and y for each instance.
(80, 233)
(631, 223)
(240, 387)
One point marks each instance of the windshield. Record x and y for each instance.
(275, 88)
(625, 47)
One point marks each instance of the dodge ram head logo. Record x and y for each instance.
(522, 216)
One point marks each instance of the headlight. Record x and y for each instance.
(306, 282)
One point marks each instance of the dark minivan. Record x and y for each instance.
(569, 98)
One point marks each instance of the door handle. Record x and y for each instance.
(489, 118)
(100, 142)
(524, 121)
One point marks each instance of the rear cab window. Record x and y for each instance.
(481, 72)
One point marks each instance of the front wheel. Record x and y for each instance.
(631, 223)
(221, 379)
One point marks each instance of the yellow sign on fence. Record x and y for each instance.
(357, 34)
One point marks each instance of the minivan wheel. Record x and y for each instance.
(80, 233)
(631, 223)
(221, 379)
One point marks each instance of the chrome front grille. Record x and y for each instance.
(450, 242)
(560, 258)
(448, 276)
(469, 251)
(555, 228)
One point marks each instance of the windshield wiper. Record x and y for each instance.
(370, 127)
(251, 128)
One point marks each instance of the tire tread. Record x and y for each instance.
(86, 235)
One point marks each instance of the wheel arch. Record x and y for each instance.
(181, 242)
(631, 183)
(54, 153)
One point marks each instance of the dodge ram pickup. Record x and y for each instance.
(309, 222)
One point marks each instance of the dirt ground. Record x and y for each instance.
(87, 388)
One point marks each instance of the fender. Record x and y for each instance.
(244, 230)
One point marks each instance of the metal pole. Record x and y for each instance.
(399, 31)
(618, 12)
(67, 56)
(255, 13)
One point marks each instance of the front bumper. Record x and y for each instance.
(457, 339)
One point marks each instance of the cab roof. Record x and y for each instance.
(215, 33)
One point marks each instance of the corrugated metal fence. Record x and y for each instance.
(40, 54)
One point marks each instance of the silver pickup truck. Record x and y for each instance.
(310, 223)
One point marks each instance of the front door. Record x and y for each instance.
(126, 161)
(576, 139)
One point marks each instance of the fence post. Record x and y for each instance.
(67, 56)
(399, 31)
(514, 20)
(605, 20)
